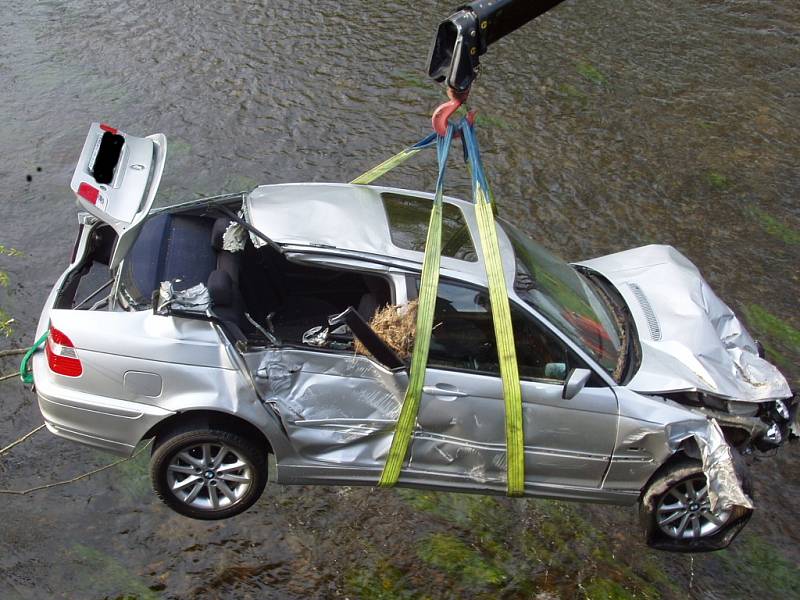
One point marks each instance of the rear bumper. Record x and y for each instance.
(107, 423)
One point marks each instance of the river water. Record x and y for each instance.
(604, 126)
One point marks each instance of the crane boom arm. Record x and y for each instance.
(466, 35)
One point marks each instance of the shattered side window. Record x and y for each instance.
(408, 226)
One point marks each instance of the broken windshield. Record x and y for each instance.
(557, 291)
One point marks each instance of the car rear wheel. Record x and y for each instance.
(676, 513)
(208, 473)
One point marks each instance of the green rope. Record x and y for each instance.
(25, 372)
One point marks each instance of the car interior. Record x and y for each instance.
(254, 291)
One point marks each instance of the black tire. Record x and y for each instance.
(170, 467)
(676, 475)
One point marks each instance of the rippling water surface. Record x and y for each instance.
(604, 126)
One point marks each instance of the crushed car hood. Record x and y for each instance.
(690, 339)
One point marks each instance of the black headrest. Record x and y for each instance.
(220, 287)
(220, 225)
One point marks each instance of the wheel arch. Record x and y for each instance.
(210, 419)
(687, 450)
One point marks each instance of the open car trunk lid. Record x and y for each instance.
(116, 180)
(690, 339)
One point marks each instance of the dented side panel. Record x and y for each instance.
(337, 409)
(567, 442)
(651, 430)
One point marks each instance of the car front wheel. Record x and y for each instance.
(208, 473)
(676, 514)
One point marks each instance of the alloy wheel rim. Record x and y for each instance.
(684, 511)
(209, 476)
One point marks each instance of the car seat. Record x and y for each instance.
(228, 305)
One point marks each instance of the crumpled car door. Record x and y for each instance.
(337, 408)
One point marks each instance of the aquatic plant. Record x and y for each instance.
(590, 72)
(757, 562)
(778, 336)
(6, 320)
(774, 227)
(107, 572)
(718, 180)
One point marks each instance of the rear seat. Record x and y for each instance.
(169, 247)
(230, 262)
(228, 303)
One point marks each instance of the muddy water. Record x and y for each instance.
(605, 126)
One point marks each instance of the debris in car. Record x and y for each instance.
(396, 325)
(195, 299)
(234, 238)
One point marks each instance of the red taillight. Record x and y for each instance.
(88, 192)
(61, 355)
(108, 128)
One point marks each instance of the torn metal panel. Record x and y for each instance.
(724, 485)
(195, 299)
(653, 429)
(690, 339)
(336, 409)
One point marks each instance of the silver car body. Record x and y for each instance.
(328, 416)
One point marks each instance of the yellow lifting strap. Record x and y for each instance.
(397, 159)
(501, 318)
(429, 283)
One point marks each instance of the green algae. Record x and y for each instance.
(606, 589)
(410, 79)
(778, 336)
(590, 72)
(106, 572)
(774, 227)
(530, 547)
(717, 180)
(455, 557)
(761, 565)
(487, 120)
(381, 582)
(133, 477)
(573, 93)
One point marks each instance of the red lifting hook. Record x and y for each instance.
(444, 111)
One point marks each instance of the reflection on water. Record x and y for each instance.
(603, 126)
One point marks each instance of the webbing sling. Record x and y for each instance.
(429, 284)
(397, 159)
(498, 296)
(501, 316)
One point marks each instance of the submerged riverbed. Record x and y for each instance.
(603, 126)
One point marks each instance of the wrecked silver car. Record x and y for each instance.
(225, 329)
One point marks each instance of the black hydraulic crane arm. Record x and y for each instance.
(466, 35)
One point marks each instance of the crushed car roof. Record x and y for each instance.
(352, 218)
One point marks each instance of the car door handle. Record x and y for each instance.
(443, 389)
